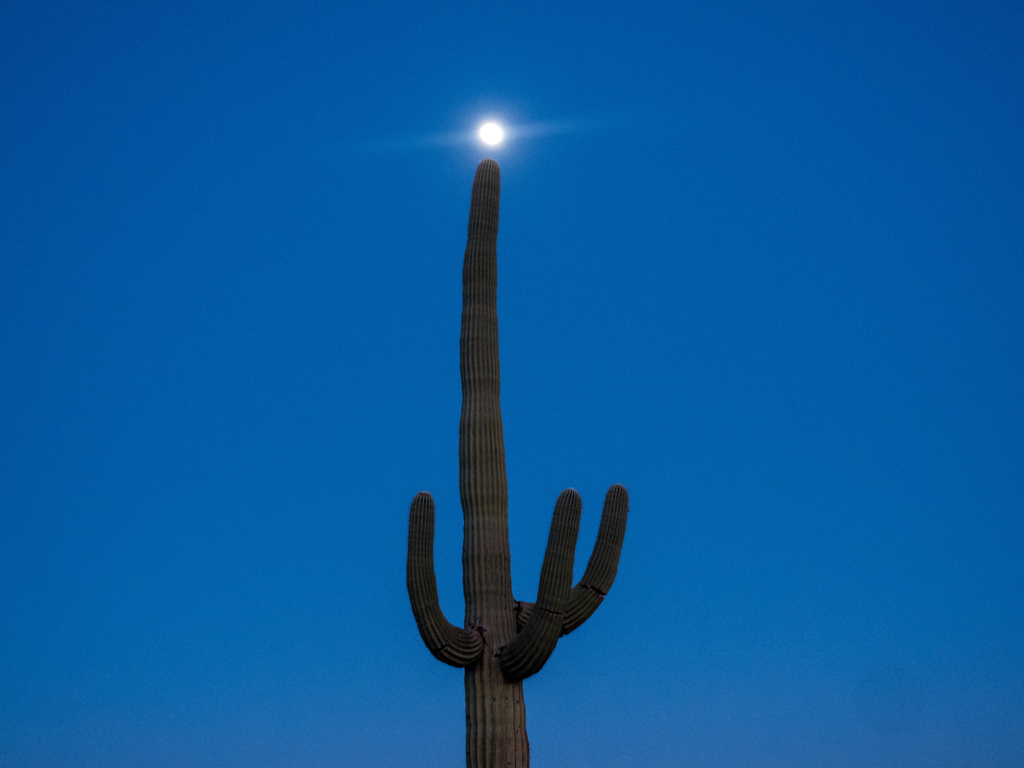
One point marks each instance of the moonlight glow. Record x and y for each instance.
(491, 133)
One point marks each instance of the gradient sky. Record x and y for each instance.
(762, 263)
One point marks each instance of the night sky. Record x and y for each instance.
(760, 262)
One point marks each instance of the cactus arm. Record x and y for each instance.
(587, 595)
(530, 649)
(452, 645)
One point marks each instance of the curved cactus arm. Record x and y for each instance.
(530, 649)
(587, 595)
(452, 645)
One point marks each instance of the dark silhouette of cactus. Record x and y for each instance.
(503, 640)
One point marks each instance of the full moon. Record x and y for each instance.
(491, 133)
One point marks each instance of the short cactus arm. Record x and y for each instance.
(604, 561)
(587, 595)
(528, 652)
(452, 645)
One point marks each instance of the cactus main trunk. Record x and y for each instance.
(495, 713)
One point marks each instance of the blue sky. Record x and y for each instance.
(767, 273)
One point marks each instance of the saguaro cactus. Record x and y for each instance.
(503, 640)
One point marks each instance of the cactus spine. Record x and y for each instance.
(503, 640)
